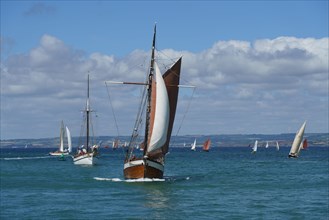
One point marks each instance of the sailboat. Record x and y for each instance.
(63, 151)
(193, 146)
(277, 146)
(266, 146)
(159, 105)
(206, 145)
(296, 145)
(86, 155)
(254, 148)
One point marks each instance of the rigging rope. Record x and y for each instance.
(188, 106)
(115, 120)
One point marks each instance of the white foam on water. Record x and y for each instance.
(129, 180)
(24, 158)
(142, 180)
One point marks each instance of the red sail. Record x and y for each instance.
(206, 145)
(305, 144)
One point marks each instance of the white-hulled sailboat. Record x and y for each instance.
(297, 143)
(62, 149)
(159, 103)
(254, 148)
(193, 146)
(87, 155)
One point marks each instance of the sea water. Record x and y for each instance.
(225, 183)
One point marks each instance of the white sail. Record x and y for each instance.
(69, 140)
(266, 144)
(254, 149)
(62, 132)
(193, 145)
(297, 141)
(161, 118)
(277, 146)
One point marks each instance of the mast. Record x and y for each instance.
(87, 114)
(149, 93)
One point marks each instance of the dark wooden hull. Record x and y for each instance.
(138, 169)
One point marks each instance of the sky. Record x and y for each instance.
(259, 67)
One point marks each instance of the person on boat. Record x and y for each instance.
(62, 157)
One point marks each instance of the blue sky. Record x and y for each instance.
(249, 51)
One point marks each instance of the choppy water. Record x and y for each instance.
(226, 183)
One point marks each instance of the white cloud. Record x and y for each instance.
(266, 86)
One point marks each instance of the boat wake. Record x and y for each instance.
(142, 180)
(25, 158)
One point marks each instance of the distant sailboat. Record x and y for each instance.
(206, 145)
(87, 155)
(254, 148)
(296, 145)
(62, 150)
(277, 146)
(266, 146)
(193, 146)
(304, 145)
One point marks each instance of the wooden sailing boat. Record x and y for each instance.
(193, 146)
(62, 150)
(254, 148)
(86, 155)
(161, 102)
(296, 145)
(206, 145)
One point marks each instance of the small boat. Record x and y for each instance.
(87, 155)
(297, 143)
(206, 145)
(159, 104)
(193, 146)
(62, 150)
(254, 148)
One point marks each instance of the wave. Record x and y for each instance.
(25, 158)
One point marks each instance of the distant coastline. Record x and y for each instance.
(225, 140)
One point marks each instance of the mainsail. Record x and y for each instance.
(69, 141)
(193, 146)
(254, 149)
(159, 113)
(62, 134)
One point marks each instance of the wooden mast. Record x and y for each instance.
(149, 94)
